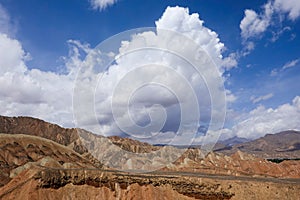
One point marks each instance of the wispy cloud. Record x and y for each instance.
(290, 64)
(276, 34)
(6, 25)
(261, 98)
(287, 65)
(102, 4)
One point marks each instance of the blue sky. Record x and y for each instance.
(266, 74)
(59, 21)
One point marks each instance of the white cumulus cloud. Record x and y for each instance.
(254, 24)
(178, 19)
(162, 67)
(262, 121)
(48, 95)
(12, 55)
(36, 93)
(292, 7)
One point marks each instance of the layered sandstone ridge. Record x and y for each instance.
(39, 160)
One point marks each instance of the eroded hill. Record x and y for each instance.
(39, 160)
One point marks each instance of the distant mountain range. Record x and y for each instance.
(233, 141)
(285, 144)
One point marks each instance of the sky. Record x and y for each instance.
(237, 73)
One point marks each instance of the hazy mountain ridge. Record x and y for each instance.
(285, 144)
(234, 140)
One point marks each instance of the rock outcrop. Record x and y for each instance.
(90, 184)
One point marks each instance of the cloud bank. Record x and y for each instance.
(261, 120)
(36, 93)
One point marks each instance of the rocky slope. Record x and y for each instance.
(237, 164)
(39, 160)
(21, 152)
(37, 127)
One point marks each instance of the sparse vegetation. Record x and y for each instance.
(279, 160)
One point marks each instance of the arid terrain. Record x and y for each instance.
(39, 160)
